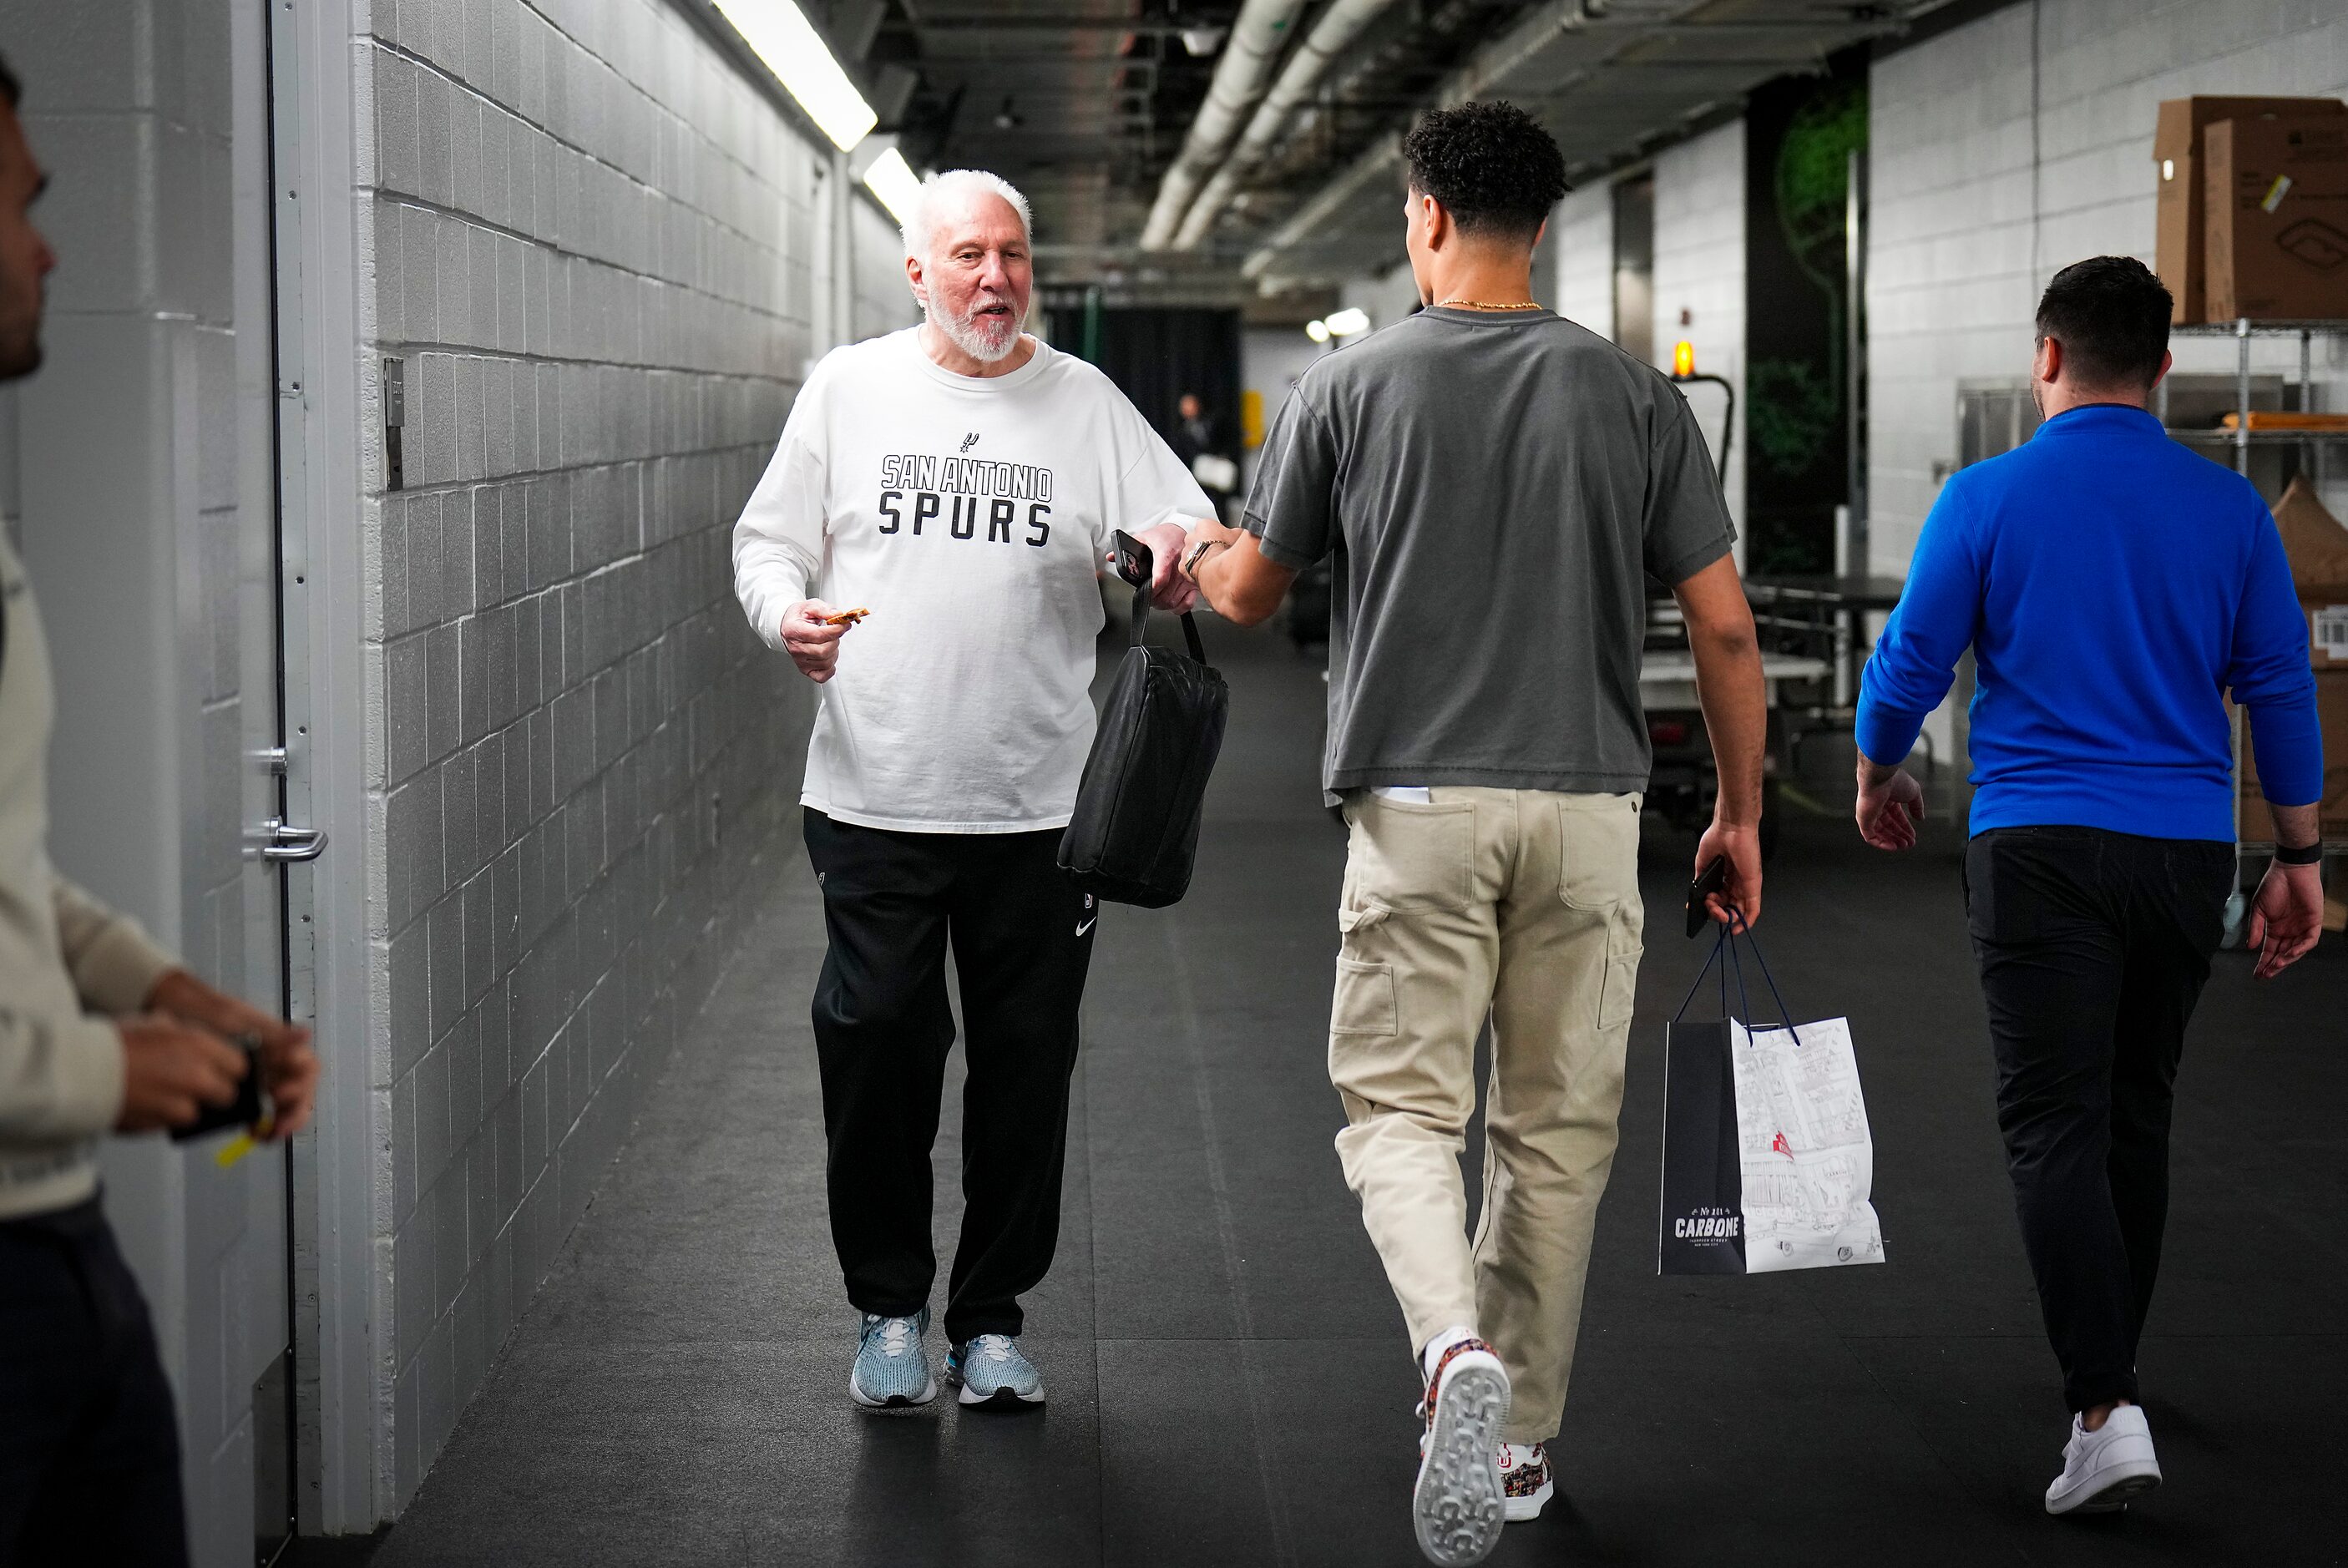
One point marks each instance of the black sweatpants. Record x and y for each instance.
(1022, 938)
(89, 1453)
(2094, 947)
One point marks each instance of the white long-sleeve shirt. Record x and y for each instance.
(969, 515)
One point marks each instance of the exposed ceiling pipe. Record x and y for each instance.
(1331, 36)
(1382, 158)
(1248, 56)
(1489, 65)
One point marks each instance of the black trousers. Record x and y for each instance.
(89, 1452)
(2094, 947)
(1021, 939)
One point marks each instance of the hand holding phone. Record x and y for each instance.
(1708, 883)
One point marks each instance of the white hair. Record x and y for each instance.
(921, 224)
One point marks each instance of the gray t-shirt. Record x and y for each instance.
(1494, 489)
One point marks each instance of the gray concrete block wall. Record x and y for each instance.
(1581, 253)
(2005, 148)
(883, 300)
(1700, 271)
(589, 241)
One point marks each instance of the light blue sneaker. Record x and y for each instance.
(992, 1372)
(892, 1367)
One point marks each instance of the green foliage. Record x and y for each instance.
(1813, 178)
(1792, 411)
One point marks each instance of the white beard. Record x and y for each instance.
(974, 336)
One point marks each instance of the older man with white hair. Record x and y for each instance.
(958, 481)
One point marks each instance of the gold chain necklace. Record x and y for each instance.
(1479, 304)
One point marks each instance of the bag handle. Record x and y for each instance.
(1730, 930)
(1142, 610)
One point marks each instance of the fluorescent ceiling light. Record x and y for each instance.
(779, 33)
(1318, 331)
(892, 179)
(1346, 322)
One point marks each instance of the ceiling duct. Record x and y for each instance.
(1489, 65)
(1331, 36)
(1381, 159)
(1248, 60)
(1624, 74)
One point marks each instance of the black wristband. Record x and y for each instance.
(2305, 855)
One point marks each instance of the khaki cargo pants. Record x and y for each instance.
(1521, 905)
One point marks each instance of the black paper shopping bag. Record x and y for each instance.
(1702, 1225)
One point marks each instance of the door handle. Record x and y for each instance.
(282, 844)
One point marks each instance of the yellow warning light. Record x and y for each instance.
(1684, 359)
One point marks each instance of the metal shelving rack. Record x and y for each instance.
(2241, 440)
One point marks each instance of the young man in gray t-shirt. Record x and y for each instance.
(1495, 484)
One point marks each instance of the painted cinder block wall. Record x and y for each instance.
(590, 239)
(1580, 251)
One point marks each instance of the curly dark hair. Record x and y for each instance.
(2111, 315)
(1491, 166)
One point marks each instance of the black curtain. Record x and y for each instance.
(1154, 355)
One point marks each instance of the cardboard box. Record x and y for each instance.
(2255, 822)
(2275, 219)
(2316, 545)
(2176, 168)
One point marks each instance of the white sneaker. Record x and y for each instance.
(2103, 1469)
(1525, 1478)
(1458, 1506)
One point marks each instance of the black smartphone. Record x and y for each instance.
(245, 1111)
(1134, 562)
(1709, 880)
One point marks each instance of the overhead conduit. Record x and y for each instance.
(1248, 56)
(1331, 36)
(1490, 65)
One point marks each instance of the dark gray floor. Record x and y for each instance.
(1228, 1379)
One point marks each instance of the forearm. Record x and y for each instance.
(113, 962)
(1235, 578)
(2287, 740)
(1737, 716)
(2295, 826)
(59, 1077)
(769, 577)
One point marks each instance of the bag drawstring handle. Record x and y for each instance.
(1141, 619)
(1709, 960)
(1730, 930)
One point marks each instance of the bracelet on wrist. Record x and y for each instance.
(2303, 855)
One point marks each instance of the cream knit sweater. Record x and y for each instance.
(66, 962)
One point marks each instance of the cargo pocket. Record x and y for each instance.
(1406, 857)
(1365, 1002)
(1621, 992)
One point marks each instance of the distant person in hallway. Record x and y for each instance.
(1199, 441)
(100, 1030)
(960, 481)
(2114, 587)
(1494, 484)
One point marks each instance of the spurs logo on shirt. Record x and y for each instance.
(918, 489)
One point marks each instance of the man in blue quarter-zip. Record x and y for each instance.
(2114, 587)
